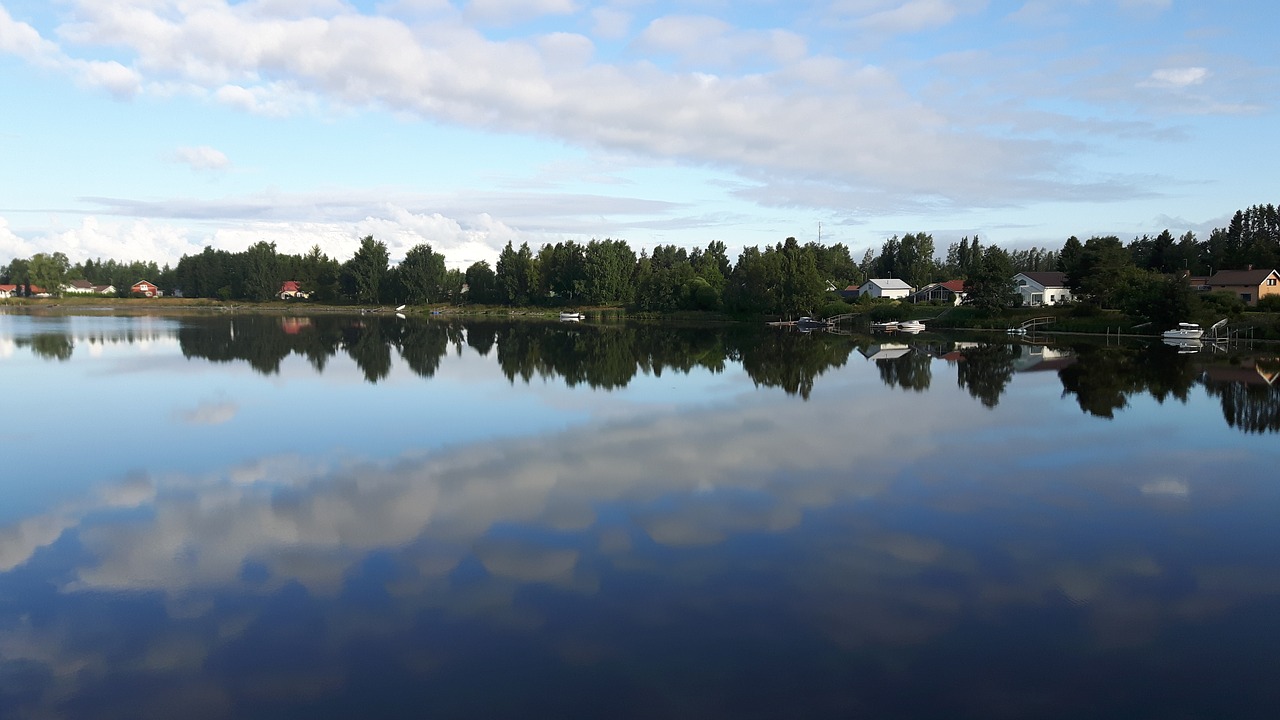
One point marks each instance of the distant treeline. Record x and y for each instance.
(788, 277)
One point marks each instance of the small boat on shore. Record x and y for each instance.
(1184, 331)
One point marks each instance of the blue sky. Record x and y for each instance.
(149, 129)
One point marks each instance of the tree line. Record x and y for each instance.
(787, 277)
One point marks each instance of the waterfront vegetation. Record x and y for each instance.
(1128, 287)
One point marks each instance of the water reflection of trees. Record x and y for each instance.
(50, 346)
(910, 371)
(985, 371)
(1248, 393)
(1104, 378)
(600, 356)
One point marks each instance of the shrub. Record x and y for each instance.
(1270, 303)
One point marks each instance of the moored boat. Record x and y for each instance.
(1184, 331)
(572, 316)
(910, 326)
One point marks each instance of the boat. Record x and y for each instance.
(572, 316)
(807, 322)
(910, 326)
(1184, 331)
(886, 326)
(1184, 346)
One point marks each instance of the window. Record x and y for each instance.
(1271, 281)
(1247, 297)
(1037, 298)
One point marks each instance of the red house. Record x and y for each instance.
(145, 289)
(292, 290)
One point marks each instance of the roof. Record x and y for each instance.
(289, 286)
(1047, 279)
(1240, 277)
(143, 282)
(889, 283)
(955, 286)
(81, 284)
(8, 288)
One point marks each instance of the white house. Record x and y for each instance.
(1043, 288)
(885, 288)
(78, 287)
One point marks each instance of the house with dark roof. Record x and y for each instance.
(1042, 288)
(1249, 285)
(951, 291)
(78, 287)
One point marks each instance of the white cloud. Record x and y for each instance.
(19, 38)
(210, 413)
(506, 12)
(201, 157)
(907, 17)
(1177, 77)
(709, 41)
(610, 23)
(120, 81)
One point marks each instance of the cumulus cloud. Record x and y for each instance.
(1177, 77)
(201, 157)
(862, 128)
(506, 12)
(210, 413)
(708, 41)
(888, 16)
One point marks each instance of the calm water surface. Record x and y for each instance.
(266, 517)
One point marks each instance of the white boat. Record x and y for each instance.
(1184, 331)
(572, 316)
(911, 326)
(1184, 345)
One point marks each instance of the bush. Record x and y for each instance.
(1270, 303)
(1222, 302)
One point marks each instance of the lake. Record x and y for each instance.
(257, 516)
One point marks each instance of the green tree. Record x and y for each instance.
(608, 270)
(482, 283)
(517, 275)
(261, 268)
(990, 287)
(49, 272)
(422, 274)
(365, 273)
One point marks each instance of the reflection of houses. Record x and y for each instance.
(292, 290)
(885, 351)
(294, 325)
(1042, 288)
(885, 288)
(1250, 285)
(1256, 371)
(145, 289)
(951, 291)
(1041, 358)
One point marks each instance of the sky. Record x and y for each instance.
(149, 129)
